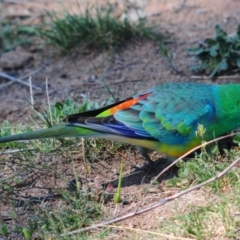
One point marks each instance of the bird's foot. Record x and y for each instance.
(158, 165)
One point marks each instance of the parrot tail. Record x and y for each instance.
(58, 131)
(70, 130)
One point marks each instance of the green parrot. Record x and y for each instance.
(164, 118)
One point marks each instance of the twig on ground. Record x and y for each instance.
(49, 104)
(31, 93)
(220, 77)
(22, 78)
(15, 1)
(2, 86)
(11, 78)
(149, 232)
(29, 74)
(15, 151)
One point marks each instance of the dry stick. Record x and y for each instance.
(191, 151)
(31, 92)
(5, 85)
(11, 78)
(157, 204)
(221, 77)
(165, 200)
(49, 104)
(33, 72)
(25, 76)
(149, 232)
(15, 151)
(14, 1)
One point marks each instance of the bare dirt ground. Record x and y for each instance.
(136, 67)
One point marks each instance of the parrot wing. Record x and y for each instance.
(168, 113)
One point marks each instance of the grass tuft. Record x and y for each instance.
(101, 30)
(12, 35)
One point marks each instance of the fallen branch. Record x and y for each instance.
(219, 77)
(15, 151)
(11, 78)
(165, 236)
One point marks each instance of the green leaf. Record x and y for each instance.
(238, 31)
(26, 233)
(236, 139)
(27, 30)
(220, 33)
(214, 72)
(214, 51)
(4, 230)
(117, 196)
(196, 51)
(197, 68)
(210, 41)
(163, 49)
(58, 105)
(223, 65)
